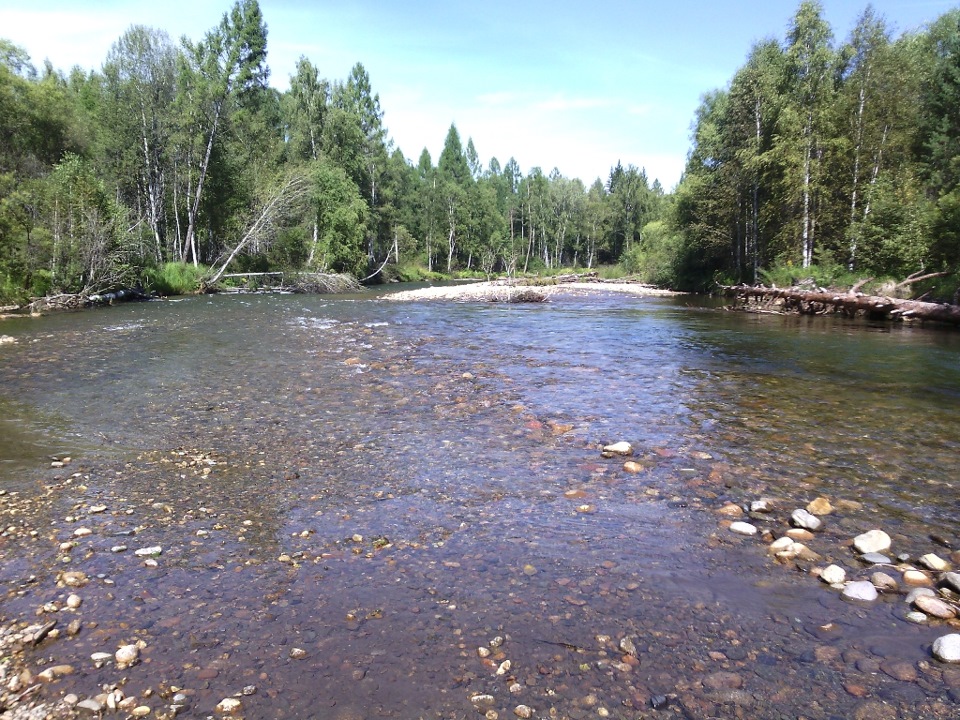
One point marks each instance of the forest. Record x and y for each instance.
(177, 162)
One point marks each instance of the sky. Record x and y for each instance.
(554, 84)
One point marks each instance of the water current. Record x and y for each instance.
(399, 509)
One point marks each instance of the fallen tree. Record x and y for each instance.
(850, 304)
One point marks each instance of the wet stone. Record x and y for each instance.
(952, 580)
(884, 582)
(899, 670)
(947, 648)
(860, 591)
(743, 528)
(875, 558)
(934, 606)
(806, 520)
(873, 541)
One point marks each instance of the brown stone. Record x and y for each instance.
(723, 681)
(820, 506)
(730, 510)
(858, 691)
(900, 670)
(874, 710)
(800, 535)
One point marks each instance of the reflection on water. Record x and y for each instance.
(387, 487)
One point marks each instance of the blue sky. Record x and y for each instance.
(553, 84)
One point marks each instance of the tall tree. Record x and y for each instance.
(215, 76)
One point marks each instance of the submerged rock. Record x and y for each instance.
(618, 448)
(860, 591)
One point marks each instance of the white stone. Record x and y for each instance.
(127, 655)
(918, 592)
(947, 648)
(860, 591)
(931, 561)
(803, 519)
(743, 528)
(916, 617)
(619, 448)
(761, 506)
(523, 711)
(833, 574)
(780, 544)
(952, 580)
(873, 541)
(148, 551)
(74, 601)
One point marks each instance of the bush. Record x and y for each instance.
(174, 278)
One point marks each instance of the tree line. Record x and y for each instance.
(842, 157)
(181, 155)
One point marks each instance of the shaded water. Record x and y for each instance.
(387, 487)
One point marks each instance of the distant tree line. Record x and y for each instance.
(827, 155)
(181, 154)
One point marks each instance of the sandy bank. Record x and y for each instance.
(501, 290)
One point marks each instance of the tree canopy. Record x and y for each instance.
(817, 152)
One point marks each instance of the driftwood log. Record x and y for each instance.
(850, 304)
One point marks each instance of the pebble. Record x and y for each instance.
(730, 510)
(860, 591)
(884, 582)
(820, 506)
(761, 506)
(875, 558)
(90, 705)
(73, 602)
(833, 574)
(917, 617)
(932, 561)
(952, 580)
(228, 705)
(118, 548)
(74, 578)
(632, 467)
(917, 592)
(298, 653)
(743, 528)
(82, 532)
(873, 541)
(803, 519)
(127, 655)
(947, 648)
(140, 711)
(523, 711)
(915, 578)
(99, 658)
(934, 606)
(800, 534)
(148, 551)
(618, 448)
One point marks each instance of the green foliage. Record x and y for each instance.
(174, 278)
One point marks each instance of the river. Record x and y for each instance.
(374, 509)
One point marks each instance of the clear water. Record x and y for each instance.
(432, 475)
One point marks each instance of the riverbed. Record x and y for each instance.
(362, 509)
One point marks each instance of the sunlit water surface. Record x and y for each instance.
(387, 487)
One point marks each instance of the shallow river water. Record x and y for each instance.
(374, 509)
